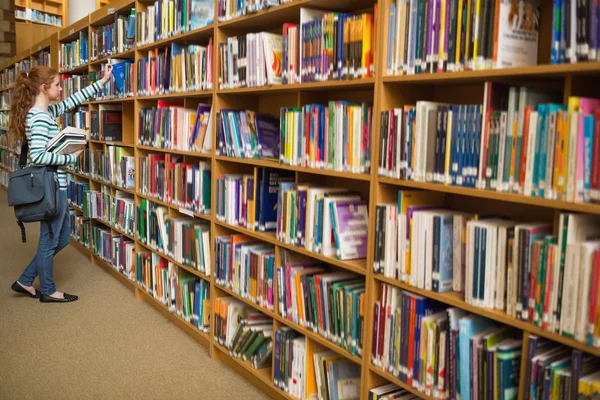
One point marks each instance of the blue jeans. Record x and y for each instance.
(48, 247)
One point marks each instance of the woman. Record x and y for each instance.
(32, 118)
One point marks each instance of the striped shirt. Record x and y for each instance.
(41, 127)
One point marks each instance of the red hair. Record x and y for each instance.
(25, 90)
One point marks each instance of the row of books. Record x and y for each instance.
(574, 32)
(79, 228)
(75, 53)
(227, 10)
(175, 69)
(8, 159)
(518, 268)
(106, 123)
(118, 37)
(117, 211)
(306, 369)
(121, 83)
(303, 136)
(535, 146)
(185, 240)
(117, 250)
(250, 200)
(41, 58)
(323, 47)
(443, 352)
(171, 179)
(172, 126)
(251, 274)
(329, 303)
(166, 18)
(78, 117)
(336, 136)
(245, 333)
(457, 35)
(73, 83)
(116, 166)
(554, 371)
(76, 190)
(185, 295)
(30, 14)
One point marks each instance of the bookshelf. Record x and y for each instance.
(384, 92)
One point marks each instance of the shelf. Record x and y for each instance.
(199, 93)
(398, 382)
(190, 329)
(274, 17)
(455, 299)
(315, 171)
(539, 72)
(306, 332)
(263, 374)
(173, 151)
(75, 207)
(87, 176)
(174, 207)
(114, 228)
(80, 246)
(168, 258)
(83, 68)
(71, 32)
(129, 54)
(200, 34)
(357, 266)
(110, 143)
(108, 101)
(105, 15)
(498, 196)
(348, 84)
(109, 268)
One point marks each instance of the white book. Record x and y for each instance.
(587, 250)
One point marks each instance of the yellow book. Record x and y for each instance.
(475, 28)
(469, 33)
(457, 59)
(366, 45)
(287, 222)
(288, 141)
(310, 384)
(442, 54)
(407, 199)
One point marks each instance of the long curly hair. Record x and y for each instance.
(25, 90)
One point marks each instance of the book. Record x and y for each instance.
(68, 141)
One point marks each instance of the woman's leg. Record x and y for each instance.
(49, 246)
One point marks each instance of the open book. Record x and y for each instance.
(68, 141)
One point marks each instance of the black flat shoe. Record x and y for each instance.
(20, 289)
(49, 299)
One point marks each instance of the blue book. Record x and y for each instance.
(202, 13)
(269, 189)
(445, 271)
(588, 137)
(468, 327)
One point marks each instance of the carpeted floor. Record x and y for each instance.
(107, 345)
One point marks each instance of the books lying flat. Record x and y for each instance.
(68, 141)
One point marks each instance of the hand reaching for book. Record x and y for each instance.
(108, 69)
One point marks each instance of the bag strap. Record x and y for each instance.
(23, 235)
(23, 156)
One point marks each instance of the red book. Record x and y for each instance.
(411, 341)
(595, 183)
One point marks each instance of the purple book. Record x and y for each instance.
(202, 108)
(350, 220)
(267, 133)
(409, 214)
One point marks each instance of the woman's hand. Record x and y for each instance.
(78, 152)
(107, 73)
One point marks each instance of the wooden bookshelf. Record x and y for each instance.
(384, 92)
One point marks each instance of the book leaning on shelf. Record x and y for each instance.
(68, 141)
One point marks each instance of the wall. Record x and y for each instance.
(79, 9)
(7, 30)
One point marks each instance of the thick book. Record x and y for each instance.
(68, 141)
